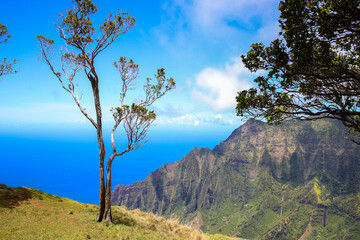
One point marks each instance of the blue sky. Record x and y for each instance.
(198, 42)
(46, 143)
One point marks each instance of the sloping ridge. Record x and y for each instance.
(262, 182)
(28, 213)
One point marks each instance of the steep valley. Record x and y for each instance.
(298, 180)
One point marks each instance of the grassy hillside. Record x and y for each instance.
(27, 213)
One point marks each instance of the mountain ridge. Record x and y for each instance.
(239, 186)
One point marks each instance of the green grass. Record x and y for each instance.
(27, 213)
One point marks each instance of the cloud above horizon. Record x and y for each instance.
(210, 32)
(199, 119)
(218, 87)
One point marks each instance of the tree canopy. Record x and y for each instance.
(312, 70)
(6, 65)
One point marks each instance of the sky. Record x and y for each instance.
(46, 143)
(198, 42)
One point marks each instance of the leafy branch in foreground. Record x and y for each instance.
(312, 70)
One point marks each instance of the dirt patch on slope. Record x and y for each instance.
(10, 197)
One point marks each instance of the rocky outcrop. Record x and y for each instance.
(239, 187)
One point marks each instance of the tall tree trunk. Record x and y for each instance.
(107, 214)
(102, 183)
(95, 88)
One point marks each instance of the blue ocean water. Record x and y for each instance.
(64, 161)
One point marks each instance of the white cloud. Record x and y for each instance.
(200, 119)
(213, 16)
(226, 21)
(186, 119)
(219, 116)
(218, 87)
(197, 122)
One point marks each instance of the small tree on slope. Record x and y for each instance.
(79, 34)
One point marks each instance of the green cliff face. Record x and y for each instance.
(299, 179)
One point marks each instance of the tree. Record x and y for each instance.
(6, 65)
(79, 34)
(312, 70)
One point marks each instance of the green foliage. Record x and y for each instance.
(157, 180)
(312, 70)
(44, 40)
(155, 91)
(6, 65)
(137, 118)
(141, 113)
(4, 34)
(78, 30)
(263, 182)
(320, 191)
(296, 170)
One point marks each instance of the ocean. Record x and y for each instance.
(64, 160)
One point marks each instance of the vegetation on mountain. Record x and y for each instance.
(297, 179)
(312, 70)
(79, 34)
(6, 65)
(27, 213)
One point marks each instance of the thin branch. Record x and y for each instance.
(46, 48)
